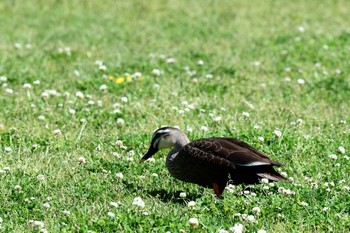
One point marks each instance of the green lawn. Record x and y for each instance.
(83, 85)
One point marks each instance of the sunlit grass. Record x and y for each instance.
(83, 86)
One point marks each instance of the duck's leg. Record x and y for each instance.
(219, 188)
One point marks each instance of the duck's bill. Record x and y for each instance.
(151, 151)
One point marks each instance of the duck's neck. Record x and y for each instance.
(180, 142)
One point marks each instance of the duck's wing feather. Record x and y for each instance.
(227, 152)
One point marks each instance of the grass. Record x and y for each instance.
(248, 49)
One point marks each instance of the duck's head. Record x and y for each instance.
(165, 137)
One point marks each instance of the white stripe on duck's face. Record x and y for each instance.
(163, 139)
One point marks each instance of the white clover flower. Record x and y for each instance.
(299, 121)
(346, 188)
(18, 187)
(256, 210)
(246, 192)
(191, 204)
(284, 174)
(288, 192)
(301, 81)
(138, 202)
(170, 60)
(81, 160)
(124, 99)
(265, 187)
(182, 195)
(301, 29)
(229, 189)
(110, 214)
(287, 79)
(119, 143)
(41, 117)
(131, 153)
(204, 128)
(103, 88)
(325, 209)
(72, 111)
(250, 218)
(120, 122)
(57, 132)
(117, 111)
(39, 224)
(277, 133)
(341, 150)
(36, 82)
(137, 75)
(304, 203)
(2, 171)
(223, 231)
(245, 114)
(82, 120)
(217, 118)
(66, 212)
(9, 91)
(154, 174)
(151, 160)
(156, 72)
(114, 204)
(346, 157)
(66, 94)
(333, 156)
(45, 95)
(200, 62)
(46, 205)
(40, 177)
(193, 222)
(27, 86)
(17, 45)
(256, 127)
(256, 63)
(261, 231)
(3, 79)
(8, 149)
(91, 102)
(261, 139)
(189, 129)
(79, 95)
(102, 67)
(119, 175)
(76, 73)
(237, 228)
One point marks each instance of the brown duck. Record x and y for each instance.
(210, 162)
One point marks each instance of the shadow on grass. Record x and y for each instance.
(174, 197)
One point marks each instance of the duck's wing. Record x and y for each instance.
(227, 152)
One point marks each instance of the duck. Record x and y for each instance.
(212, 162)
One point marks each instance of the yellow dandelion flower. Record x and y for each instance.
(128, 78)
(111, 78)
(119, 80)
